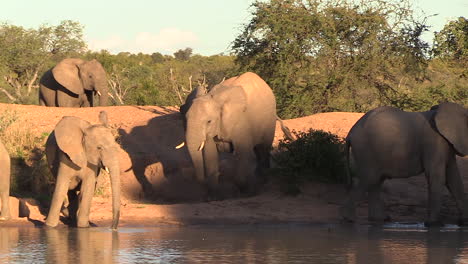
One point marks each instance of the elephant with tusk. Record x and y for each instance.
(73, 83)
(237, 115)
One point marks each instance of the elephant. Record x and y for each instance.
(5, 165)
(73, 83)
(389, 143)
(238, 116)
(76, 152)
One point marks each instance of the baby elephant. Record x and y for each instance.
(390, 143)
(4, 182)
(76, 152)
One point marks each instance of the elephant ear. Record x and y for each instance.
(194, 94)
(103, 118)
(67, 74)
(234, 103)
(69, 135)
(452, 122)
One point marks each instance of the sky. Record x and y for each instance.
(206, 26)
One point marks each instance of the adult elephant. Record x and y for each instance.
(76, 152)
(238, 115)
(5, 164)
(73, 83)
(390, 143)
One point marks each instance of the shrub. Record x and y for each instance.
(315, 155)
(30, 175)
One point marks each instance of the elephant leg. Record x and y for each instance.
(210, 156)
(41, 100)
(376, 205)
(368, 179)
(67, 100)
(436, 179)
(72, 209)
(455, 186)
(85, 100)
(262, 153)
(85, 198)
(61, 188)
(348, 210)
(70, 204)
(246, 166)
(5, 196)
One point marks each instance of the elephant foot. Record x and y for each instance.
(83, 225)
(347, 215)
(65, 212)
(463, 222)
(379, 219)
(5, 218)
(433, 223)
(48, 225)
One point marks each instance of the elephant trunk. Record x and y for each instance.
(195, 139)
(103, 93)
(114, 170)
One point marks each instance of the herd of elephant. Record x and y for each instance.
(238, 116)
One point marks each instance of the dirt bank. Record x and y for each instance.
(157, 179)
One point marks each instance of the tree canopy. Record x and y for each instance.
(332, 55)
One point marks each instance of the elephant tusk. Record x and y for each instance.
(201, 145)
(98, 93)
(180, 145)
(106, 169)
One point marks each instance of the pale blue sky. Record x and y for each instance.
(207, 26)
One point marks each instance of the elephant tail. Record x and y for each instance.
(349, 180)
(285, 129)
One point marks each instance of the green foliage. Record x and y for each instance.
(183, 55)
(452, 41)
(25, 54)
(332, 55)
(141, 79)
(318, 56)
(314, 155)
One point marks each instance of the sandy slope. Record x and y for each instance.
(157, 179)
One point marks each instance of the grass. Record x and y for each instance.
(315, 155)
(30, 176)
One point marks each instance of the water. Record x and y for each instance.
(395, 243)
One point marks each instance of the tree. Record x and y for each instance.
(26, 53)
(183, 55)
(452, 41)
(329, 55)
(157, 57)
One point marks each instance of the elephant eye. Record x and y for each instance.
(99, 147)
(209, 121)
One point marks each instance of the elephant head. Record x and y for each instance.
(212, 117)
(91, 146)
(79, 77)
(451, 121)
(197, 92)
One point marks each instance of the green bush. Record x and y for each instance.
(315, 155)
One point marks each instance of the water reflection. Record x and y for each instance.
(234, 244)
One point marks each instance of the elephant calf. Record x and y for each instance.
(76, 152)
(5, 164)
(390, 143)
